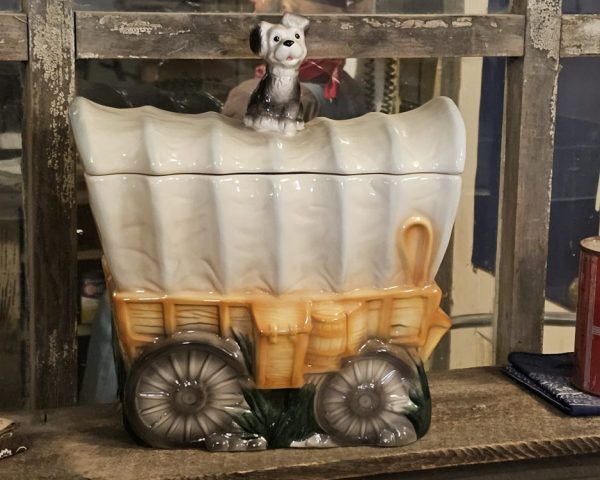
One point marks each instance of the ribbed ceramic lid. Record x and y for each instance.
(149, 141)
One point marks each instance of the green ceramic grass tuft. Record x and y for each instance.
(420, 396)
(280, 416)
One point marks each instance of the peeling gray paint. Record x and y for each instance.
(462, 22)
(411, 23)
(179, 32)
(55, 66)
(553, 108)
(137, 27)
(591, 30)
(581, 37)
(544, 28)
(52, 353)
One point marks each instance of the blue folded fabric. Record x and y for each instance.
(549, 376)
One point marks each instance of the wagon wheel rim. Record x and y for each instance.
(182, 395)
(365, 397)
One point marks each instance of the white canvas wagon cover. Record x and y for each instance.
(201, 203)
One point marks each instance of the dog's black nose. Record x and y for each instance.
(288, 43)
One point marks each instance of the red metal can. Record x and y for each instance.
(587, 330)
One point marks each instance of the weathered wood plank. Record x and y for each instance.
(13, 37)
(450, 69)
(50, 210)
(195, 36)
(479, 417)
(12, 345)
(526, 181)
(580, 35)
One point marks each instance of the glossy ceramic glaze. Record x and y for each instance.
(270, 290)
(148, 141)
(332, 228)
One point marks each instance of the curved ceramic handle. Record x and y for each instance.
(415, 244)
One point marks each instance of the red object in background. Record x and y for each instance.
(587, 330)
(327, 70)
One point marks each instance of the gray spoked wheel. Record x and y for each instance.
(180, 394)
(365, 400)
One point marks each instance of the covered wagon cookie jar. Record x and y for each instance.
(273, 288)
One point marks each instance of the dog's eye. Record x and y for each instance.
(297, 36)
(276, 38)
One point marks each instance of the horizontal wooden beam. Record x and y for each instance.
(13, 37)
(205, 36)
(580, 35)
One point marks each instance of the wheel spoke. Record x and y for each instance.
(390, 419)
(153, 395)
(337, 415)
(388, 377)
(202, 368)
(214, 379)
(188, 364)
(358, 374)
(157, 382)
(348, 381)
(336, 388)
(158, 368)
(229, 385)
(212, 365)
(363, 428)
(174, 362)
(334, 400)
(201, 420)
(173, 426)
(160, 407)
(210, 418)
(187, 429)
(370, 376)
(226, 399)
(383, 366)
(335, 411)
(194, 364)
(399, 404)
(374, 421)
(157, 423)
(352, 426)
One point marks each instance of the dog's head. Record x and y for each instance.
(281, 44)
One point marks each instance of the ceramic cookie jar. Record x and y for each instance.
(273, 290)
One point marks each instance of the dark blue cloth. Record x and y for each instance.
(549, 376)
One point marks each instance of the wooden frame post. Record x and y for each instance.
(527, 170)
(50, 205)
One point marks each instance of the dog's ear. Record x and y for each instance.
(256, 40)
(296, 21)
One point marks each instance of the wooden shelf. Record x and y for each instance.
(480, 417)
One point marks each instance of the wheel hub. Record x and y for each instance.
(366, 400)
(190, 398)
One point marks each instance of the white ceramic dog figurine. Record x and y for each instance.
(275, 104)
